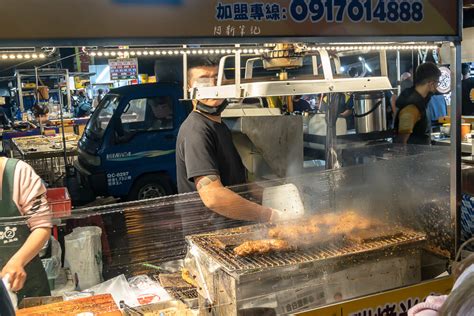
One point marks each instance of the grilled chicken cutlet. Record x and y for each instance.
(292, 232)
(351, 221)
(261, 247)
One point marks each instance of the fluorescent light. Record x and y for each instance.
(368, 68)
(342, 69)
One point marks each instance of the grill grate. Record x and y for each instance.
(233, 263)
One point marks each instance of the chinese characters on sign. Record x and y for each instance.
(123, 69)
(314, 11)
(390, 309)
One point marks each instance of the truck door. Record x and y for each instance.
(142, 158)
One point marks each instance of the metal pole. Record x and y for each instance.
(455, 152)
(62, 124)
(237, 70)
(185, 74)
(399, 75)
(68, 90)
(331, 119)
(20, 91)
(37, 99)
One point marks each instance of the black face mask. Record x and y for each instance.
(212, 110)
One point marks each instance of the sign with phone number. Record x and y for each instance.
(121, 21)
(356, 10)
(324, 10)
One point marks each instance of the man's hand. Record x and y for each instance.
(17, 274)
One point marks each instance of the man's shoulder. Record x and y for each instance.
(194, 126)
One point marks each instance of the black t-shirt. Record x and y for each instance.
(301, 106)
(468, 96)
(205, 147)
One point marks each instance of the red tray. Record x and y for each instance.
(59, 201)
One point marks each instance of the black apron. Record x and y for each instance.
(13, 237)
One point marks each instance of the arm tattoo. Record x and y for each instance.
(206, 180)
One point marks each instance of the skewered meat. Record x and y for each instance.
(261, 247)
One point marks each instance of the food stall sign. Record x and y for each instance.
(123, 69)
(123, 22)
(394, 303)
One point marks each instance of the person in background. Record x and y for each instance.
(467, 91)
(162, 113)
(300, 104)
(346, 110)
(97, 99)
(406, 81)
(412, 121)
(391, 108)
(23, 194)
(4, 120)
(460, 301)
(437, 107)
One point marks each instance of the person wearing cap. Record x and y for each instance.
(23, 194)
(412, 121)
(208, 161)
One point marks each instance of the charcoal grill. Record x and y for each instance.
(315, 276)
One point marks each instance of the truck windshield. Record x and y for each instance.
(102, 115)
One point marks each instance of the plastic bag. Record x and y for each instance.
(84, 256)
(119, 289)
(11, 294)
(52, 265)
(147, 291)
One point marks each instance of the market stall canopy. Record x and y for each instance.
(186, 21)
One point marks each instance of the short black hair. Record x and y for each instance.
(202, 61)
(466, 69)
(426, 72)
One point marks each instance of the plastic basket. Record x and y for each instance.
(59, 201)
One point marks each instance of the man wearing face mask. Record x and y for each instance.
(206, 158)
(412, 121)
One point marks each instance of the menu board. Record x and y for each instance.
(123, 69)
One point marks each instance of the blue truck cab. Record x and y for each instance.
(128, 147)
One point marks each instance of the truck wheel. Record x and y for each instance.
(149, 187)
